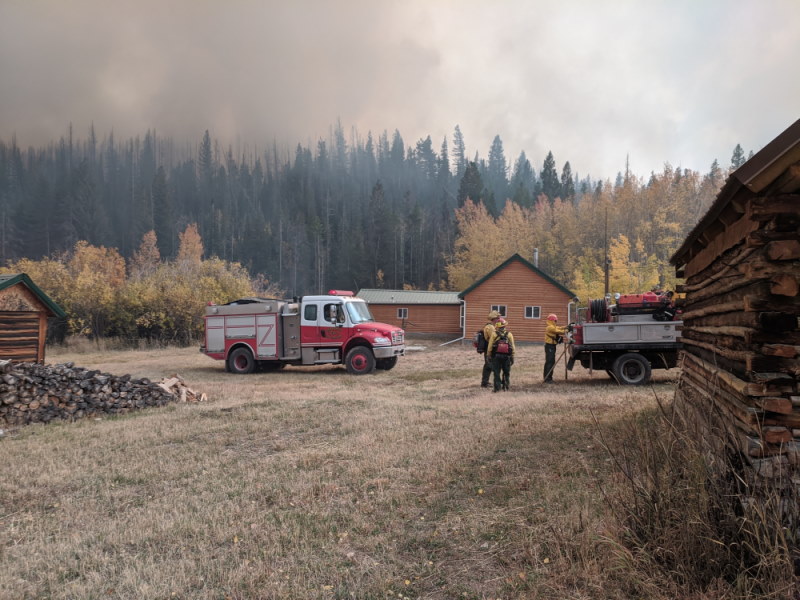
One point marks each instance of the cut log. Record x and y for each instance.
(784, 284)
(783, 250)
(765, 208)
(776, 404)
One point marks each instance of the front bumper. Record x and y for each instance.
(388, 351)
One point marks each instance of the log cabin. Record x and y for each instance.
(24, 310)
(740, 335)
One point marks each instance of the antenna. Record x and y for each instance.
(605, 243)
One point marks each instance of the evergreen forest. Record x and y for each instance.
(350, 212)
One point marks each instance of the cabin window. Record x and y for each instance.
(500, 308)
(533, 312)
(402, 313)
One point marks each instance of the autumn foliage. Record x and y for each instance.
(145, 298)
(636, 227)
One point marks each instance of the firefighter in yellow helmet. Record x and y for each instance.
(488, 330)
(552, 337)
(501, 354)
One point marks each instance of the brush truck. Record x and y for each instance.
(627, 340)
(264, 333)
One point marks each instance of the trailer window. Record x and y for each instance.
(310, 313)
(402, 313)
(359, 312)
(500, 308)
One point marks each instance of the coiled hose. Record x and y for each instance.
(598, 310)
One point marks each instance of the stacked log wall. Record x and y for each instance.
(37, 393)
(741, 338)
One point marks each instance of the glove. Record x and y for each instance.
(512, 361)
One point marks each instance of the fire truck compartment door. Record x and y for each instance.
(215, 334)
(291, 336)
(266, 336)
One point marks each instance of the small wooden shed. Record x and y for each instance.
(418, 312)
(24, 310)
(522, 293)
(741, 340)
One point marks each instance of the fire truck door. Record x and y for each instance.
(323, 324)
(266, 336)
(309, 325)
(331, 324)
(290, 334)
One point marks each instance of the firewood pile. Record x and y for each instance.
(740, 335)
(36, 393)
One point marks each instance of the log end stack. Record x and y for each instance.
(37, 393)
(740, 334)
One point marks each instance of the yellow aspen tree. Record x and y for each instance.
(147, 258)
(476, 249)
(516, 231)
(96, 275)
(191, 246)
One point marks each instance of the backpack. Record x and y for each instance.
(479, 342)
(501, 346)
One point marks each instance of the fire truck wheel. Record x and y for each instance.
(241, 361)
(632, 369)
(360, 361)
(386, 363)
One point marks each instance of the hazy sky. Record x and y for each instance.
(678, 81)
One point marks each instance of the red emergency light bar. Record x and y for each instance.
(340, 293)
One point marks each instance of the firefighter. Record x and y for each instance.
(488, 330)
(500, 352)
(552, 337)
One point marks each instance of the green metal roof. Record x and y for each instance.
(517, 257)
(408, 297)
(8, 280)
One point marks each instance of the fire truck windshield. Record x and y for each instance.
(359, 312)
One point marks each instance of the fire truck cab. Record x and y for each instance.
(336, 328)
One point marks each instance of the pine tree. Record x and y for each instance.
(459, 153)
(163, 216)
(567, 183)
(471, 185)
(737, 159)
(551, 187)
(497, 170)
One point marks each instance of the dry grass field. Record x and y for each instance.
(310, 483)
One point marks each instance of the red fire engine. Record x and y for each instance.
(336, 328)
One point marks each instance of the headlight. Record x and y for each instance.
(382, 340)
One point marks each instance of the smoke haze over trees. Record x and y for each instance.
(349, 211)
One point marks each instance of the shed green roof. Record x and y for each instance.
(8, 280)
(517, 257)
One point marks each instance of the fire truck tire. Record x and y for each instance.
(386, 363)
(360, 361)
(632, 369)
(241, 361)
